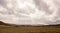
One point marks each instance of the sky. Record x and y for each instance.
(30, 12)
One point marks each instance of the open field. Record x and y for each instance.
(5, 28)
(29, 29)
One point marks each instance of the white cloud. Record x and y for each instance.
(37, 17)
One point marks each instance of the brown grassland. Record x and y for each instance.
(29, 29)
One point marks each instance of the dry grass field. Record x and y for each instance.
(4, 28)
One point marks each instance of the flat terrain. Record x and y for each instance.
(29, 29)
